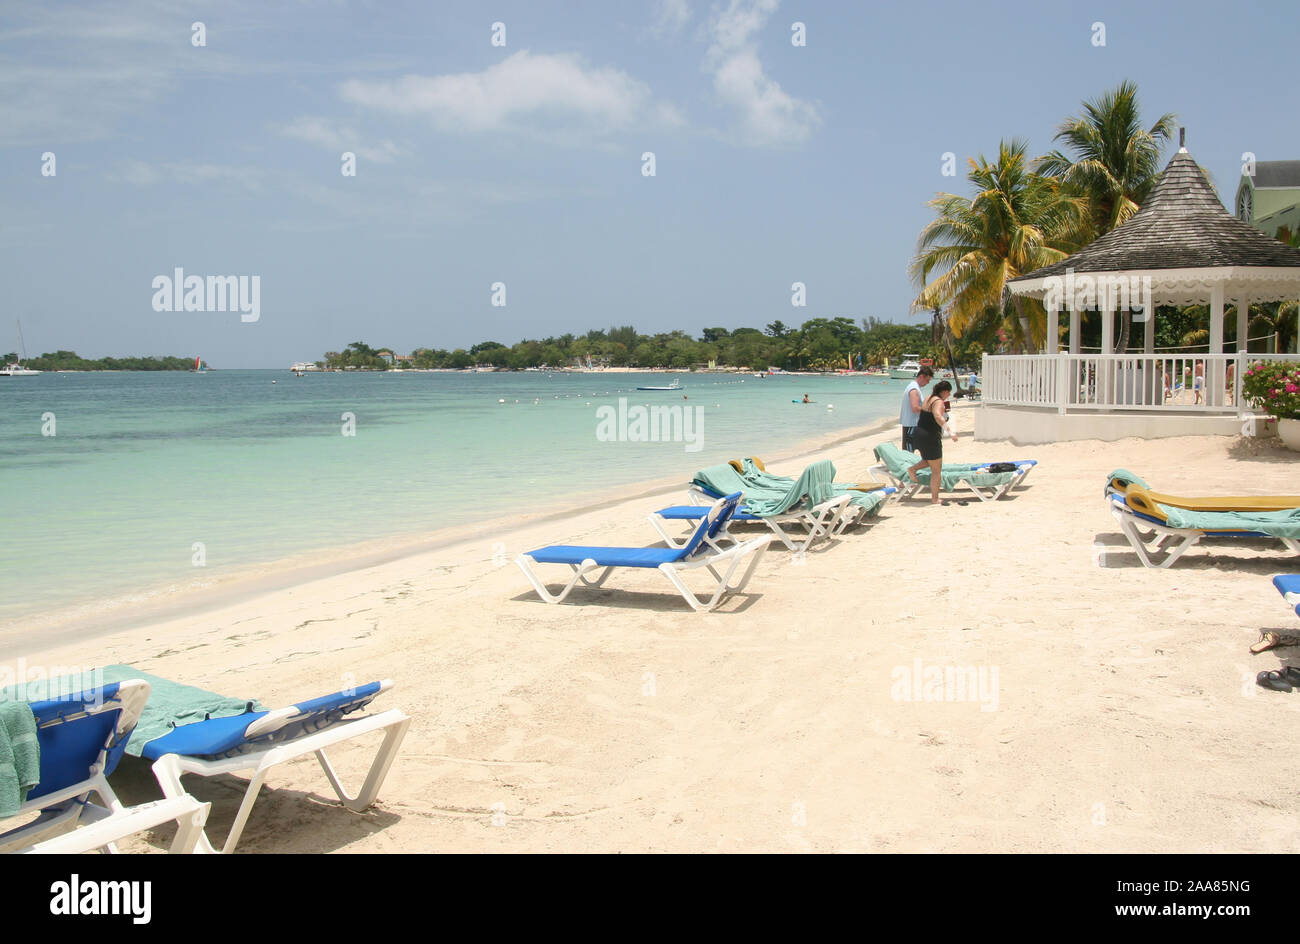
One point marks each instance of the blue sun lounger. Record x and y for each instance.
(82, 737)
(671, 562)
(1289, 586)
(257, 741)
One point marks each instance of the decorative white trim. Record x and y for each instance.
(1189, 286)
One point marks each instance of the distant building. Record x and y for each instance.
(403, 359)
(386, 355)
(1271, 199)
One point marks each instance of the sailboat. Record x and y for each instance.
(199, 367)
(16, 368)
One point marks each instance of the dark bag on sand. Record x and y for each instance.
(1003, 467)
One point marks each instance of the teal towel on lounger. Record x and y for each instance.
(898, 462)
(1127, 478)
(760, 486)
(20, 755)
(767, 499)
(1278, 524)
(871, 500)
(172, 704)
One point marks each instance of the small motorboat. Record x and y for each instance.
(675, 385)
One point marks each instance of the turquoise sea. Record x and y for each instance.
(253, 464)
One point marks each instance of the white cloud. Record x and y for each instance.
(142, 174)
(334, 137)
(520, 92)
(768, 116)
(672, 17)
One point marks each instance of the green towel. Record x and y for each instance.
(172, 704)
(953, 474)
(759, 486)
(871, 501)
(1126, 478)
(20, 755)
(775, 496)
(1279, 524)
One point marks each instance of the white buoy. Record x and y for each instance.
(501, 401)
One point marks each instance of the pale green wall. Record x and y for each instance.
(1269, 201)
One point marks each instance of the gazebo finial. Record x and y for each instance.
(1182, 140)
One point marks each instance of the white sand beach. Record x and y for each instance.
(1119, 710)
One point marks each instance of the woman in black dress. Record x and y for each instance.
(928, 437)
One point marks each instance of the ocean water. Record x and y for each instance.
(144, 466)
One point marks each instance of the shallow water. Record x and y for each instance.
(147, 473)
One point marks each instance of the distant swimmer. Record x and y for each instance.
(805, 399)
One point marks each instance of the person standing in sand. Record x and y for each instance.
(928, 437)
(910, 413)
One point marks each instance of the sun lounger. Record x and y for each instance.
(82, 737)
(865, 499)
(1289, 586)
(258, 741)
(987, 486)
(797, 511)
(1119, 481)
(1150, 525)
(671, 562)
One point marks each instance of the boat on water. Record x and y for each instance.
(907, 369)
(16, 368)
(675, 385)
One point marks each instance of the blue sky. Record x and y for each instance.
(523, 164)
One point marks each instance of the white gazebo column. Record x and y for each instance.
(1213, 378)
(1243, 339)
(1216, 318)
(1074, 329)
(1107, 347)
(1155, 369)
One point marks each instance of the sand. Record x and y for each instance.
(1113, 708)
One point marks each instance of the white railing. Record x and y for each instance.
(1196, 383)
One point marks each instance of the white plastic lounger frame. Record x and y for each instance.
(188, 813)
(1141, 531)
(907, 488)
(829, 519)
(171, 767)
(722, 566)
(60, 829)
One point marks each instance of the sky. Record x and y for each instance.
(516, 155)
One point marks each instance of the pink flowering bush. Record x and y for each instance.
(1273, 387)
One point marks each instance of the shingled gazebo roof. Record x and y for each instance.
(1185, 241)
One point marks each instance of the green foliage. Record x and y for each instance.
(1273, 386)
(68, 360)
(824, 344)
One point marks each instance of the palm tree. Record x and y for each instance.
(1009, 228)
(1114, 161)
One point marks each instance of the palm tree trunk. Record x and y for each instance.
(952, 364)
(1024, 326)
(1125, 328)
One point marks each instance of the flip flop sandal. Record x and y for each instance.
(1277, 681)
(1291, 673)
(1266, 642)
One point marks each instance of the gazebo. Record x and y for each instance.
(1181, 247)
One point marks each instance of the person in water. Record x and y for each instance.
(805, 399)
(927, 438)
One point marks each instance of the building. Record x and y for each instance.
(1271, 199)
(1182, 247)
